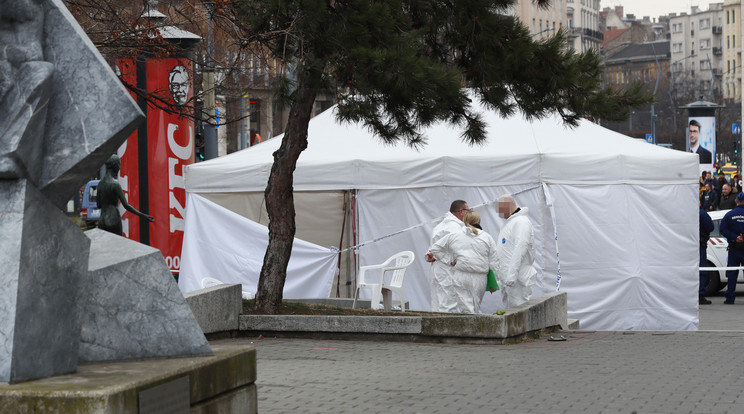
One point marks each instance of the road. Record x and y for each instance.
(590, 372)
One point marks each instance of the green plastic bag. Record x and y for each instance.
(492, 284)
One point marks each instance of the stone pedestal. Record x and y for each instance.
(131, 305)
(43, 256)
(223, 383)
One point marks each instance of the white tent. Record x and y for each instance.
(620, 234)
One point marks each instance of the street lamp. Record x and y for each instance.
(543, 31)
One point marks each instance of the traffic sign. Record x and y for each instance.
(735, 128)
(650, 138)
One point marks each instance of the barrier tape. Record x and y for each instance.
(434, 220)
(723, 268)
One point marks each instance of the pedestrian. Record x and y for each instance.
(472, 252)
(728, 200)
(706, 226)
(110, 195)
(732, 228)
(721, 182)
(440, 273)
(515, 250)
(709, 199)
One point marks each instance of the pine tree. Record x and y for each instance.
(403, 65)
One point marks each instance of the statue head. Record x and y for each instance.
(113, 164)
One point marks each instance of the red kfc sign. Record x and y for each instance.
(170, 146)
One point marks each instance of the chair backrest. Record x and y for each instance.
(400, 260)
(209, 282)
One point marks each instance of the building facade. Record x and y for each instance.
(542, 22)
(583, 22)
(578, 18)
(732, 46)
(697, 51)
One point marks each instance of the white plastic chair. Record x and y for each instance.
(210, 281)
(375, 281)
(402, 261)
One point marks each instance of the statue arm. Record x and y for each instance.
(129, 208)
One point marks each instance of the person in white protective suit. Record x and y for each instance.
(440, 274)
(473, 253)
(515, 249)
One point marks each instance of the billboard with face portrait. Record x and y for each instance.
(153, 159)
(701, 139)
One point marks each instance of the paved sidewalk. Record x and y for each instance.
(590, 372)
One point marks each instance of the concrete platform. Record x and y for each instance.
(223, 383)
(544, 314)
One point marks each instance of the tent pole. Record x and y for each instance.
(340, 248)
(354, 236)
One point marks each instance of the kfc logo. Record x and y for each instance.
(178, 83)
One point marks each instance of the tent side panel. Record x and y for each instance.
(319, 220)
(628, 255)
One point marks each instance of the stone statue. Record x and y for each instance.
(109, 196)
(64, 111)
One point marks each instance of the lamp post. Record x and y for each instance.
(674, 85)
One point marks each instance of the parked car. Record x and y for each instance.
(717, 253)
(89, 210)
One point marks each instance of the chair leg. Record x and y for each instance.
(356, 295)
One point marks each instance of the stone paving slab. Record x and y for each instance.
(590, 372)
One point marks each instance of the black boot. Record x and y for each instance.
(704, 301)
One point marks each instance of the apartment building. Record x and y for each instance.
(732, 45)
(542, 22)
(696, 51)
(583, 22)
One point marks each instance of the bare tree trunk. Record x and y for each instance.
(280, 200)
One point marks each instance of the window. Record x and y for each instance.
(733, 41)
(677, 28)
(704, 23)
(677, 48)
(704, 44)
(727, 17)
(728, 42)
(733, 16)
(728, 66)
(704, 65)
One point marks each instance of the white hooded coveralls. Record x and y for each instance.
(515, 249)
(473, 254)
(440, 274)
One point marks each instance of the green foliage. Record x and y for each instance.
(402, 64)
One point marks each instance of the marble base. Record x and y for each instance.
(223, 383)
(44, 256)
(131, 305)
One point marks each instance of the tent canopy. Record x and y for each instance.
(345, 156)
(615, 217)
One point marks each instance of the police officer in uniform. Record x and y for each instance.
(732, 228)
(706, 226)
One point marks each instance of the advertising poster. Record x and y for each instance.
(170, 140)
(170, 146)
(701, 138)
